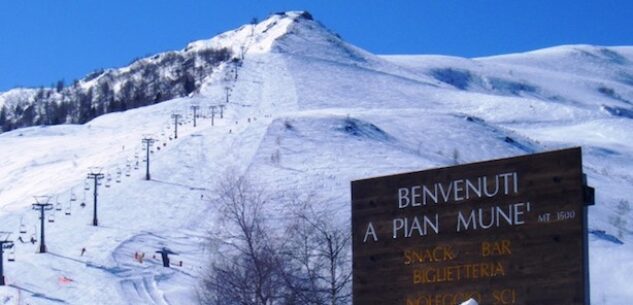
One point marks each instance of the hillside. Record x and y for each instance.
(306, 112)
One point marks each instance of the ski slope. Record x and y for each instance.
(308, 113)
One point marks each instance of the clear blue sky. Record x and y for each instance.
(42, 41)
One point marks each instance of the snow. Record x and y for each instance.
(307, 112)
(470, 302)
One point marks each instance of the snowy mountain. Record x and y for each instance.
(306, 112)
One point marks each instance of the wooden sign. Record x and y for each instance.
(509, 231)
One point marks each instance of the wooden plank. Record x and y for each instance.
(506, 231)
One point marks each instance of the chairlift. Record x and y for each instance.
(83, 204)
(58, 205)
(11, 256)
(73, 196)
(86, 185)
(68, 210)
(118, 177)
(51, 217)
(108, 179)
(127, 172)
(34, 235)
(22, 226)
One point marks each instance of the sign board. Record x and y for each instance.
(509, 231)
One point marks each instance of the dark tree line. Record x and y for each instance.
(146, 81)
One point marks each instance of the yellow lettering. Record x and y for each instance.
(496, 248)
(407, 257)
(415, 301)
(448, 254)
(417, 276)
(444, 298)
(429, 278)
(499, 270)
(505, 246)
(485, 249)
(503, 297)
(423, 256)
(485, 272)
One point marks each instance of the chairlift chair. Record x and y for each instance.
(86, 185)
(58, 205)
(51, 217)
(11, 256)
(34, 235)
(22, 226)
(68, 210)
(73, 196)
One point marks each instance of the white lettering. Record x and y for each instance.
(370, 231)
(403, 197)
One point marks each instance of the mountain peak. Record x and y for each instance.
(255, 37)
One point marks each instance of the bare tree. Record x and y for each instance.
(246, 271)
(319, 251)
(310, 265)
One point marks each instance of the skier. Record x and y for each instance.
(20, 239)
(33, 240)
(83, 251)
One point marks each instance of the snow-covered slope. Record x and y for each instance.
(307, 112)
